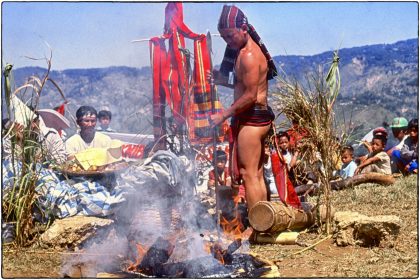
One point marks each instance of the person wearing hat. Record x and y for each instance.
(52, 149)
(399, 131)
(408, 157)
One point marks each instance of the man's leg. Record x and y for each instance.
(250, 162)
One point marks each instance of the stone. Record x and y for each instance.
(352, 228)
(73, 231)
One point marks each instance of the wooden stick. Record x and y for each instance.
(303, 250)
(146, 40)
(313, 245)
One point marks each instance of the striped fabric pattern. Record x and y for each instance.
(59, 199)
(190, 101)
(202, 105)
(231, 17)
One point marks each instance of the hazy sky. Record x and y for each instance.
(99, 34)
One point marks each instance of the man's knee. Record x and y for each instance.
(246, 173)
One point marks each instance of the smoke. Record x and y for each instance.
(160, 201)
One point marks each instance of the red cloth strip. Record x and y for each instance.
(157, 58)
(284, 186)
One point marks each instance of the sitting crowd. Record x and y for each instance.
(376, 156)
(400, 158)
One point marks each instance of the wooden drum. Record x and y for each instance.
(272, 217)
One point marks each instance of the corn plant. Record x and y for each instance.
(26, 155)
(312, 109)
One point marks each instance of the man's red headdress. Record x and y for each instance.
(231, 17)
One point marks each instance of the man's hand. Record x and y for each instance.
(367, 145)
(217, 78)
(216, 120)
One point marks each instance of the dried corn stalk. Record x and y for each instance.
(312, 110)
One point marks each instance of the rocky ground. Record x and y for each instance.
(397, 258)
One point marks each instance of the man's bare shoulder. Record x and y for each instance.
(247, 58)
(251, 56)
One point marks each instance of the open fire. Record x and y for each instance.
(220, 258)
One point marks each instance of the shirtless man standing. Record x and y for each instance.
(251, 116)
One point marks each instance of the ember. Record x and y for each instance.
(157, 255)
(242, 265)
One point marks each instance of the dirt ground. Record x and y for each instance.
(324, 260)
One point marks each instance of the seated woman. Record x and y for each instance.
(377, 161)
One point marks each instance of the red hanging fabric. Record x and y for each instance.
(158, 58)
(284, 186)
(171, 74)
(180, 83)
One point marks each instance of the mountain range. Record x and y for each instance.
(378, 82)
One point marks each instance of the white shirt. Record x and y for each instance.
(76, 144)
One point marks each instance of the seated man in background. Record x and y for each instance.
(104, 118)
(88, 137)
(399, 130)
(408, 157)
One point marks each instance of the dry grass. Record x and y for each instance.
(328, 260)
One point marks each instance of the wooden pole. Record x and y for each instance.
(213, 111)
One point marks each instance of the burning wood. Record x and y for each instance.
(242, 266)
(156, 256)
(222, 255)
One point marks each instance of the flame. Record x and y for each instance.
(233, 228)
(141, 252)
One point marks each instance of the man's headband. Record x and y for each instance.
(231, 17)
(87, 114)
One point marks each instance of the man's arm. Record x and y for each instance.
(56, 148)
(249, 71)
(366, 163)
(249, 76)
(406, 153)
